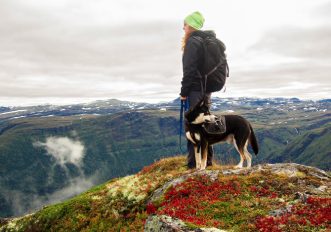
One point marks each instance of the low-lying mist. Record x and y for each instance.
(66, 155)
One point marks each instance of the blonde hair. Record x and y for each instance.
(186, 36)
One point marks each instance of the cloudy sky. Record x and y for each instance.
(69, 51)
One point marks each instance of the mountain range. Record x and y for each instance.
(50, 153)
(111, 106)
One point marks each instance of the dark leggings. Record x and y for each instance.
(194, 97)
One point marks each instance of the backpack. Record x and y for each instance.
(215, 127)
(215, 66)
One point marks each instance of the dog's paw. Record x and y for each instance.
(238, 167)
(203, 166)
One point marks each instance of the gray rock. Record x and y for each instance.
(156, 223)
(212, 174)
(289, 169)
(322, 188)
(301, 197)
(280, 212)
(163, 223)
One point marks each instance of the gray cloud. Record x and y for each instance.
(288, 80)
(45, 58)
(323, 11)
(301, 66)
(68, 50)
(303, 43)
(92, 67)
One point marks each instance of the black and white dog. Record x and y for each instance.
(238, 131)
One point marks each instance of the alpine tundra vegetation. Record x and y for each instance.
(269, 197)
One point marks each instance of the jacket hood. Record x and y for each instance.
(204, 34)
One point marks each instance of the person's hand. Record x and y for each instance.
(183, 98)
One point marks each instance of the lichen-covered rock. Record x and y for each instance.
(286, 169)
(166, 196)
(163, 223)
(212, 174)
(264, 192)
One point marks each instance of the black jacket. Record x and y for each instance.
(193, 59)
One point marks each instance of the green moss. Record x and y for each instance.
(120, 205)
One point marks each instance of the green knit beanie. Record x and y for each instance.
(195, 20)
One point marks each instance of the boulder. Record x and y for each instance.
(163, 223)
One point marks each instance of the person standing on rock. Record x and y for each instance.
(191, 85)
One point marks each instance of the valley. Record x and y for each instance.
(50, 153)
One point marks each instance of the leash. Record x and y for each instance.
(184, 105)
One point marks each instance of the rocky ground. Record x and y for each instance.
(271, 197)
(166, 196)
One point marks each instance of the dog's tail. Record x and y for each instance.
(253, 141)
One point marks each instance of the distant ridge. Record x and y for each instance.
(101, 107)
